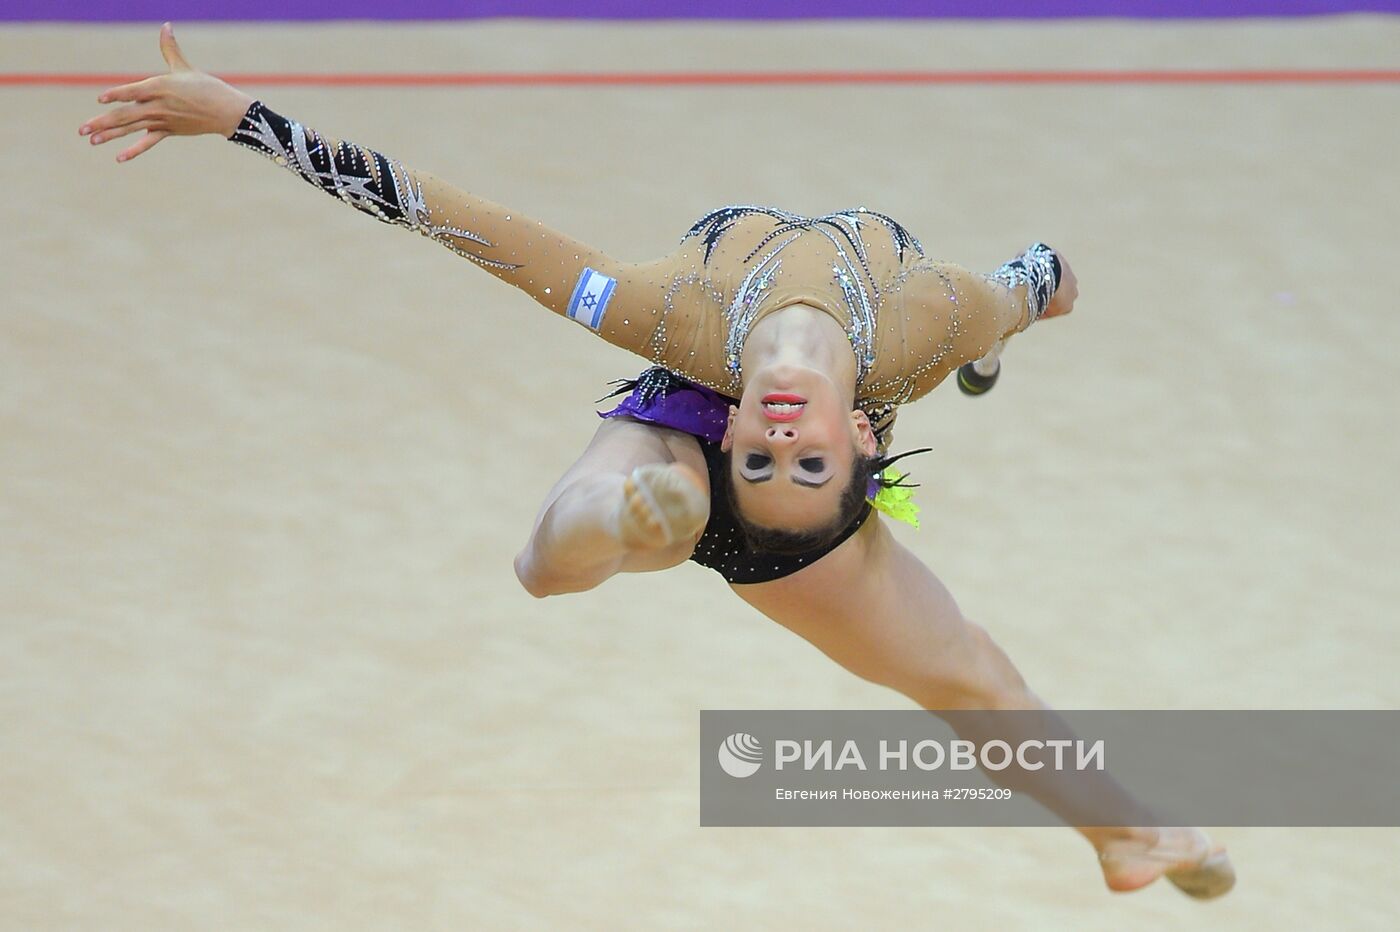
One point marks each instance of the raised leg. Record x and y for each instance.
(635, 501)
(874, 608)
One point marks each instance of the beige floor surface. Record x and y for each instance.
(264, 465)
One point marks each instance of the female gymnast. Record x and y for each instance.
(758, 442)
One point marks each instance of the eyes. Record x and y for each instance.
(810, 463)
(758, 466)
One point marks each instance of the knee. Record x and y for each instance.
(533, 580)
(542, 579)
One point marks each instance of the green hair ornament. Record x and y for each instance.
(892, 495)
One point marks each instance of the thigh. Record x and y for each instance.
(619, 446)
(876, 609)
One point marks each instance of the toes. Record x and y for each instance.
(641, 525)
(1213, 877)
(663, 503)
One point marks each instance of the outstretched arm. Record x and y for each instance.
(543, 263)
(566, 276)
(1035, 285)
(964, 315)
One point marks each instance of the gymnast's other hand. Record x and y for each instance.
(1063, 301)
(184, 102)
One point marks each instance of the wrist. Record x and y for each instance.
(232, 114)
(1038, 270)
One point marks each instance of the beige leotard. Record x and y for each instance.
(911, 320)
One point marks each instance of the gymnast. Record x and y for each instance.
(758, 442)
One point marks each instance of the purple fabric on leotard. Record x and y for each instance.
(667, 400)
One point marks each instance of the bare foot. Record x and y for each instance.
(662, 503)
(1184, 855)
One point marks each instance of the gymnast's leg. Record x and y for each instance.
(874, 608)
(636, 501)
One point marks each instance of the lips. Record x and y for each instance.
(783, 406)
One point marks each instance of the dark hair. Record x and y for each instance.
(794, 543)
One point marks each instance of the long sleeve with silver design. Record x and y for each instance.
(1038, 268)
(361, 177)
(569, 277)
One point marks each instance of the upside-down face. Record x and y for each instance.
(793, 441)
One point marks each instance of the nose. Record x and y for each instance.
(785, 434)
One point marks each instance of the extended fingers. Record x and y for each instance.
(100, 127)
(125, 129)
(135, 91)
(139, 93)
(152, 137)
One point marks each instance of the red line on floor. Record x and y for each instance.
(742, 78)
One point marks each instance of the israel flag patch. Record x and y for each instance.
(590, 299)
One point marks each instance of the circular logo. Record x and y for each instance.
(740, 755)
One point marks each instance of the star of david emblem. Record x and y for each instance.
(589, 301)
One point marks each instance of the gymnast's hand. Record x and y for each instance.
(1063, 301)
(184, 102)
